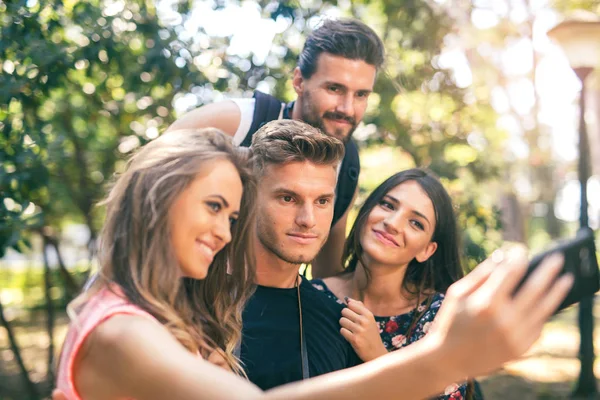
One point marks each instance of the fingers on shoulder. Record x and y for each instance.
(359, 308)
(355, 339)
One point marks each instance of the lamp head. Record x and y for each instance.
(579, 37)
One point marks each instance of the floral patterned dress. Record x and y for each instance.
(393, 331)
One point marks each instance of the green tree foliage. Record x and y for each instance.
(567, 6)
(416, 107)
(90, 81)
(423, 111)
(487, 50)
(83, 83)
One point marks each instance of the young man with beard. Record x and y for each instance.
(291, 329)
(335, 74)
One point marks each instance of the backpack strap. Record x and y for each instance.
(266, 108)
(347, 181)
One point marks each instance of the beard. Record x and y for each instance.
(311, 116)
(281, 254)
(268, 238)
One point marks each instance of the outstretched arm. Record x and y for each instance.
(479, 310)
(138, 358)
(224, 115)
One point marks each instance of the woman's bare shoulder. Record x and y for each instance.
(116, 351)
(339, 285)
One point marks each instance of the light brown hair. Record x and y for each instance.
(284, 141)
(136, 253)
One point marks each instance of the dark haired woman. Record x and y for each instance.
(401, 256)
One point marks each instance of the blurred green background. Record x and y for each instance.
(472, 89)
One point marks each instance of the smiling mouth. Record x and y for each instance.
(206, 250)
(385, 238)
(340, 121)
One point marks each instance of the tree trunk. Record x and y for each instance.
(71, 287)
(30, 386)
(553, 225)
(513, 229)
(546, 176)
(49, 310)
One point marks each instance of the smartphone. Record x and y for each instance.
(580, 260)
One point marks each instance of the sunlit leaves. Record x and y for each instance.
(94, 80)
(460, 154)
(75, 76)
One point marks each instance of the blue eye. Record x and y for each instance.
(214, 206)
(232, 221)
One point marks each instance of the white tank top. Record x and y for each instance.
(246, 107)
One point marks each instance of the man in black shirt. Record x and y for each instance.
(291, 330)
(271, 344)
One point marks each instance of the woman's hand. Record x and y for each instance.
(360, 329)
(483, 323)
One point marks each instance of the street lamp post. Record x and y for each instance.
(579, 38)
(586, 385)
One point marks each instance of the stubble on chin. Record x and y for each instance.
(311, 117)
(290, 256)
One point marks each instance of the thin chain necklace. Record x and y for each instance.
(303, 351)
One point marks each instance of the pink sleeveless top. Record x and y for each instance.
(98, 309)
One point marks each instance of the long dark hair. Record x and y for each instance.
(444, 267)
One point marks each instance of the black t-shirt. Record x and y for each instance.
(270, 347)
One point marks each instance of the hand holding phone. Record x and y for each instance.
(580, 260)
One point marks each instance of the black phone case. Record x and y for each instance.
(580, 260)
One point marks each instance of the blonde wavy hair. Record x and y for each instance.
(135, 250)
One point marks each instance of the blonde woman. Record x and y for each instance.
(165, 300)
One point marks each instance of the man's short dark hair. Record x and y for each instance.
(346, 38)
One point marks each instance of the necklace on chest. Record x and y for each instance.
(303, 351)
